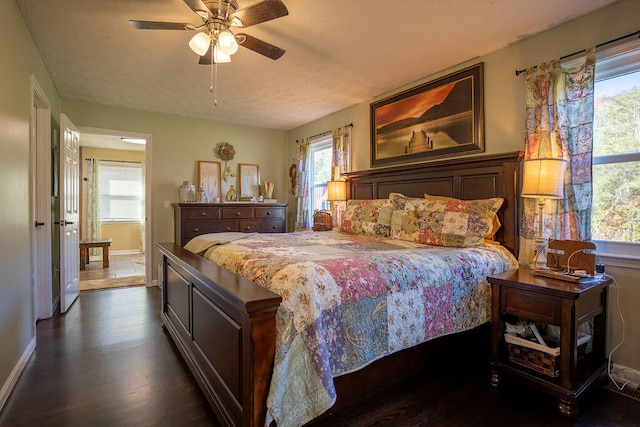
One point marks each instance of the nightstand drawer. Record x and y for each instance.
(530, 305)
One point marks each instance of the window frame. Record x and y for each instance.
(611, 62)
(320, 144)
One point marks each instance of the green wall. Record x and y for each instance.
(20, 60)
(177, 143)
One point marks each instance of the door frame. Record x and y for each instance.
(148, 240)
(40, 142)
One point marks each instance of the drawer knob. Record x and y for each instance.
(237, 213)
(269, 213)
(203, 213)
(247, 228)
(196, 229)
(228, 228)
(275, 227)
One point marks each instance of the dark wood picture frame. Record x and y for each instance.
(441, 118)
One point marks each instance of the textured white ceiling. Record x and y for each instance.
(338, 52)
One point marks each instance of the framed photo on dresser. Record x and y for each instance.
(209, 178)
(249, 179)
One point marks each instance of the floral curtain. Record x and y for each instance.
(341, 162)
(94, 225)
(559, 123)
(303, 216)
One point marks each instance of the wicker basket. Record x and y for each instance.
(542, 359)
(322, 221)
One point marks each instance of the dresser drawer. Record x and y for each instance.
(195, 228)
(262, 226)
(201, 213)
(269, 213)
(237, 212)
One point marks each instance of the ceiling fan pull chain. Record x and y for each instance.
(214, 79)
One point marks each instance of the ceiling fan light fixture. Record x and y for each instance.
(200, 43)
(219, 57)
(227, 42)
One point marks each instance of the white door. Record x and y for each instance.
(69, 213)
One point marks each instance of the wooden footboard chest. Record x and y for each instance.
(224, 327)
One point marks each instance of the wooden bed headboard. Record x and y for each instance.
(477, 177)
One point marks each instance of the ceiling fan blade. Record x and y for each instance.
(261, 12)
(259, 46)
(200, 8)
(153, 25)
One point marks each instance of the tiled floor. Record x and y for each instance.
(120, 265)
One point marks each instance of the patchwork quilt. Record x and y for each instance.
(348, 300)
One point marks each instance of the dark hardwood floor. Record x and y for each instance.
(108, 362)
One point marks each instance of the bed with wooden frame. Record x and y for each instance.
(225, 325)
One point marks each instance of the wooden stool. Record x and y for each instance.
(99, 243)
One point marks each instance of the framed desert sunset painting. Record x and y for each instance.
(441, 118)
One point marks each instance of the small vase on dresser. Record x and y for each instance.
(231, 194)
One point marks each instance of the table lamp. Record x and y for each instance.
(543, 179)
(337, 192)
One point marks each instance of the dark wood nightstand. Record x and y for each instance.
(565, 304)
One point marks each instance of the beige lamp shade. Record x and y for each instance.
(544, 178)
(336, 191)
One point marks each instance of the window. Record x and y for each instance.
(319, 173)
(615, 218)
(121, 192)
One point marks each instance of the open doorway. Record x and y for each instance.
(114, 208)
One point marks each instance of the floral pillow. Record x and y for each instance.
(369, 217)
(490, 237)
(455, 222)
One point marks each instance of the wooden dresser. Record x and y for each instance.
(193, 219)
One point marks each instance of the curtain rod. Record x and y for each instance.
(637, 33)
(325, 133)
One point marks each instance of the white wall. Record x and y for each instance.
(504, 101)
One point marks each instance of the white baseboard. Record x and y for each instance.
(126, 252)
(10, 383)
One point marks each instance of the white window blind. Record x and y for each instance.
(121, 191)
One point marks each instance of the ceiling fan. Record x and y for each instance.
(214, 41)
